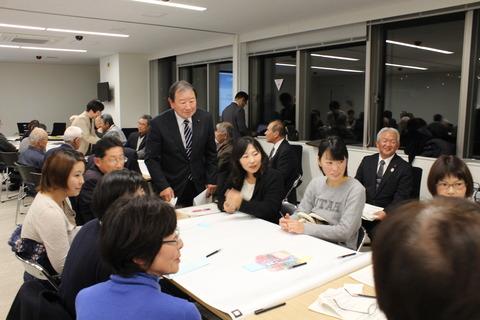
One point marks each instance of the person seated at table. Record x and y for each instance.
(109, 128)
(71, 137)
(136, 140)
(449, 176)
(252, 186)
(335, 197)
(109, 157)
(83, 266)
(140, 244)
(49, 226)
(34, 156)
(426, 258)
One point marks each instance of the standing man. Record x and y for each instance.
(85, 121)
(387, 178)
(181, 155)
(282, 156)
(136, 140)
(235, 114)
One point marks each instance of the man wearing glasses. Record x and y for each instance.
(109, 157)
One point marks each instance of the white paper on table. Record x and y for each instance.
(369, 210)
(196, 211)
(364, 275)
(330, 301)
(173, 202)
(202, 198)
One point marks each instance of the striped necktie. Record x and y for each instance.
(187, 132)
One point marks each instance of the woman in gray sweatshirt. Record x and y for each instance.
(336, 198)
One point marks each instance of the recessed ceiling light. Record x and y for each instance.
(6, 25)
(173, 4)
(285, 64)
(89, 32)
(404, 66)
(333, 57)
(338, 69)
(418, 47)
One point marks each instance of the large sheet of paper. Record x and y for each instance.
(227, 281)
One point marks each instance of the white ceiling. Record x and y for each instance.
(153, 29)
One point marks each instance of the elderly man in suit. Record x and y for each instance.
(282, 156)
(71, 138)
(235, 114)
(136, 140)
(181, 155)
(387, 178)
(34, 156)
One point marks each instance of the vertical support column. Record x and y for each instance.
(240, 68)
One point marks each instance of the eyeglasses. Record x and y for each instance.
(176, 238)
(459, 185)
(114, 161)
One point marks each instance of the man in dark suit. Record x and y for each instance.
(224, 141)
(109, 157)
(235, 114)
(282, 156)
(387, 178)
(136, 140)
(180, 154)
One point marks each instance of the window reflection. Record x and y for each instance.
(422, 83)
(336, 98)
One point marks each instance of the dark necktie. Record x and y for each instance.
(271, 153)
(187, 132)
(380, 173)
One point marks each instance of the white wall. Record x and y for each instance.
(47, 92)
(110, 72)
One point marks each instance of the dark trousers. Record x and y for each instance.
(370, 227)
(186, 198)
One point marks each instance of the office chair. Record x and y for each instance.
(30, 181)
(362, 235)
(9, 159)
(38, 272)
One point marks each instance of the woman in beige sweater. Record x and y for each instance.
(50, 221)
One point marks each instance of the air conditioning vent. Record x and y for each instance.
(29, 40)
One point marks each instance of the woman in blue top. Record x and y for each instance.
(141, 244)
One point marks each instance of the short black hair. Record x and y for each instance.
(134, 227)
(104, 144)
(179, 86)
(426, 257)
(337, 148)
(112, 186)
(147, 117)
(107, 119)
(448, 165)
(95, 106)
(241, 95)
(278, 126)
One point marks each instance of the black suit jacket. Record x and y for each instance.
(266, 199)
(133, 139)
(236, 116)
(84, 212)
(396, 185)
(166, 157)
(285, 160)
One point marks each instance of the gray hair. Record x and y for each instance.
(107, 119)
(180, 86)
(388, 129)
(71, 133)
(225, 127)
(37, 134)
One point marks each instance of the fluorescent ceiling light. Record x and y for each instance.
(333, 57)
(7, 46)
(89, 32)
(337, 69)
(41, 48)
(418, 47)
(285, 64)
(404, 66)
(173, 4)
(6, 25)
(52, 49)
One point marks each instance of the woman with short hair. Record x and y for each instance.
(449, 176)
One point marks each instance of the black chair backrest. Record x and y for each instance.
(417, 181)
(128, 131)
(9, 158)
(29, 175)
(58, 128)
(299, 153)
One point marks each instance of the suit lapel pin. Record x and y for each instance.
(393, 169)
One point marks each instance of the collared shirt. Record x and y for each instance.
(181, 127)
(387, 162)
(139, 141)
(276, 145)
